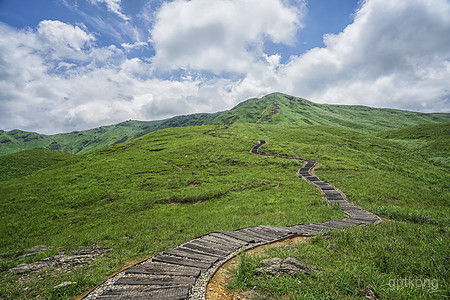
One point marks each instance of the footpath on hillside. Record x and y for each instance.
(184, 271)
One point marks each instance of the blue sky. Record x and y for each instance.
(76, 64)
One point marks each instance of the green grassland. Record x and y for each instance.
(404, 179)
(78, 142)
(172, 185)
(276, 108)
(27, 162)
(283, 109)
(145, 196)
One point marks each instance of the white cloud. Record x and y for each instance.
(59, 39)
(136, 45)
(56, 78)
(394, 54)
(220, 35)
(113, 6)
(101, 87)
(62, 35)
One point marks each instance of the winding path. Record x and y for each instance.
(184, 271)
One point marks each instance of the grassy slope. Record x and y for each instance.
(386, 177)
(272, 109)
(28, 162)
(283, 109)
(79, 142)
(431, 140)
(138, 191)
(74, 142)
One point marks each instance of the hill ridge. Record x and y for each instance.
(275, 108)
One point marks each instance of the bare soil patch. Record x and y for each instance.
(216, 289)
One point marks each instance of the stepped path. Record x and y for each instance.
(184, 271)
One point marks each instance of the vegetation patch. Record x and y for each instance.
(388, 261)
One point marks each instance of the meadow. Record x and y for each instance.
(401, 175)
(172, 185)
(145, 196)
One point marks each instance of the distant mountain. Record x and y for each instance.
(78, 142)
(275, 108)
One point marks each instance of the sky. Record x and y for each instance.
(70, 65)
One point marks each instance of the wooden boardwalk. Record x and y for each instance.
(172, 274)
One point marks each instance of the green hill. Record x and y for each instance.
(28, 162)
(427, 140)
(272, 109)
(288, 110)
(142, 187)
(78, 142)
(159, 190)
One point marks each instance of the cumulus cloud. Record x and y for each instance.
(59, 39)
(218, 35)
(394, 54)
(57, 78)
(97, 86)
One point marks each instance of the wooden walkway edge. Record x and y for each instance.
(173, 273)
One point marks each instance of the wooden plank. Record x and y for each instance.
(226, 240)
(243, 236)
(167, 293)
(205, 243)
(352, 208)
(181, 261)
(312, 178)
(185, 252)
(140, 289)
(339, 202)
(163, 269)
(265, 233)
(303, 230)
(157, 280)
(332, 193)
(357, 212)
(201, 248)
(347, 205)
(277, 229)
(221, 235)
(356, 221)
(213, 255)
(334, 197)
(219, 245)
(327, 187)
(260, 236)
(360, 214)
(320, 183)
(175, 294)
(319, 226)
(369, 218)
(234, 244)
(312, 229)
